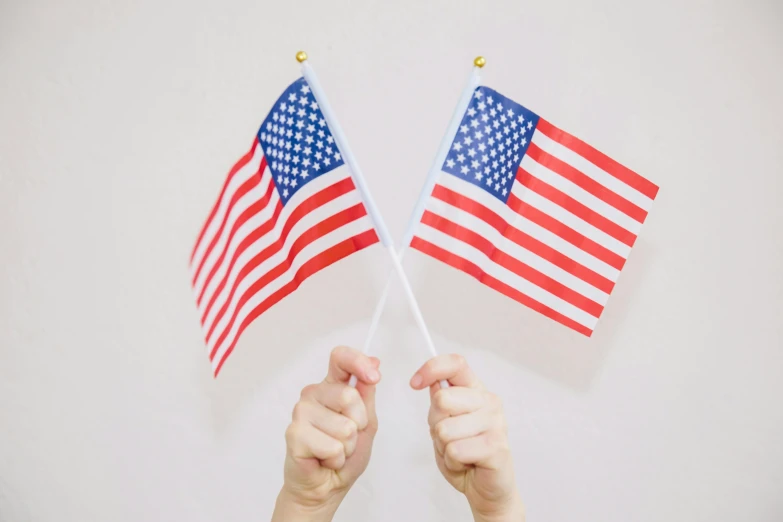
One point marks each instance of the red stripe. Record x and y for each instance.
(567, 233)
(512, 264)
(249, 212)
(599, 159)
(243, 189)
(574, 207)
(237, 166)
(559, 166)
(520, 238)
(314, 233)
(313, 202)
(473, 270)
(314, 265)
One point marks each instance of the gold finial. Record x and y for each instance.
(301, 56)
(479, 62)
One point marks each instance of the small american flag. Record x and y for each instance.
(533, 212)
(288, 208)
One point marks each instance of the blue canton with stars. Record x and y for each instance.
(296, 141)
(492, 139)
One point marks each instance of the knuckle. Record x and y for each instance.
(308, 391)
(452, 451)
(335, 448)
(292, 432)
(441, 399)
(338, 351)
(299, 411)
(348, 429)
(442, 431)
(458, 360)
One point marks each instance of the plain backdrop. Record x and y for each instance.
(118, 123)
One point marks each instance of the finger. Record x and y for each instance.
(450, 402)
(304, 441)
(340, 398)
(465, 426)
(345, 362)
(367, 393)
(330, 422)
(451, 368)
(488, 450)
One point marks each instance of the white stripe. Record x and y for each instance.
(595, 204)
(507, 246)
(253, 196)
(239, 178)
(310, 219)
(524, 286)
(590, 169)
(528, 227)
(570, 220)
(310, 251)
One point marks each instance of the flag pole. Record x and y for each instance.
(372, 209)
(451, 131)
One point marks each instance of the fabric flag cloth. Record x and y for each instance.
(533, 212)
(288, 208)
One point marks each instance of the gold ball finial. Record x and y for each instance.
(479, 61)
(301, 56)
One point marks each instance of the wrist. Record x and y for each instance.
(511, 511)
(290, 507)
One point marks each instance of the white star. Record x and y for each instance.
(485, 117)
(489, 181)
(474, 164)
(471, 112)
(287, 145)
(305, 89)
(463, 169)
(474, 123)
(292, 97)
(311, 128)
(497, 187)
(314, 106)
(530, 125)
(458, 146)
(489, 100)
(297, 147)
(309, 140)
(510, 113)
(505, 191)
(327, 161)
(275, 116)
(289, 133)
(478, 176)
(491, 142)
(283, 107)
(313, 117)
(293, 183)
(493, 112)
(461, 158)
(499, 136)
(304, 174)
(463, 129)
(501, 147)
(286, 181)
(288, 156)
(471, 152)
(503, 181)
(521, 119)
(280, 179)
(496, 124)
(467, 140)
(484, 158)
(303, 100)
(330, 139)
(318, 155)
(298, 136)
(450, 163)
(328, 150)
(513, 124)
(316, 166)
(486, 170)
(291, 109)
(478, 94)
(495, 164)
(482, 147)
(295, 171)
(482, 106)
(321, 122)
(285, 193)
(299, 124)
(503, 118)
(295, 160)
(321, 133)
(524, 141)
(289, 121)
(307, 151)
(479, 135)
(301, 113)
(337, 156)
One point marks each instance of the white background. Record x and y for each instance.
(118, 122)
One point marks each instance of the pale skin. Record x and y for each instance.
(329, 440)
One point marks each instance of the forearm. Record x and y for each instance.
(288, 509)
(514, 512)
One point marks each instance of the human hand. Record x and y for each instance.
(330, 439)
(468, 429)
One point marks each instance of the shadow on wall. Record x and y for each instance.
(461, 309)
(334, 298)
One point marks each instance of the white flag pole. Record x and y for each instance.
(372, 209)
(462, 105)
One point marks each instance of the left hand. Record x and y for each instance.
(468, 430)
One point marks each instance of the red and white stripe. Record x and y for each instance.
(559, 244)
(253, 251)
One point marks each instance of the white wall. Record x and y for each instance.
(118, 121)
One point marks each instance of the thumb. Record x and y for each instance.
(367, 392)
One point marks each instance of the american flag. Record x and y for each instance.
(533, 212)
(288, 208)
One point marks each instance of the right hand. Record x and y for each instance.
(330, 438)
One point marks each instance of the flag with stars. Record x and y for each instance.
(288, 208)
(533, 212)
